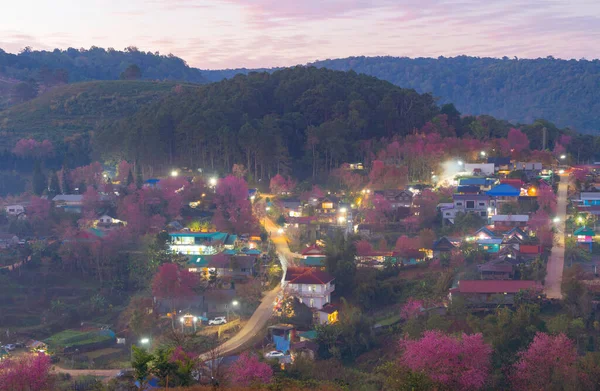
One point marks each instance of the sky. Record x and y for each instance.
(216, 34)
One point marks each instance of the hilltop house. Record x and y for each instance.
(292, 207)
(479, 168)
(311, 287)
(441, 246)
(500, 163)
(201, 243)
(506, 222)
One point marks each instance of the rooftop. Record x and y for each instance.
(589, 196)
(303, 275)
(504, 190)
(508, 218)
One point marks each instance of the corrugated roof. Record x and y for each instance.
(585, 232)
(304, 275)
(496, 286)
(504, 190)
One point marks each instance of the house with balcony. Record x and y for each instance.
(312, 287)
(481, 204)
(201, 243)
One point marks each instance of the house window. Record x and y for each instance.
(482, 204)
(483, 214)
(312, 288)
(192, 270)
(447, 213)
(459, 204)
(470, 204)
(312, 303)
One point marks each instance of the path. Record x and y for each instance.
(556, 261)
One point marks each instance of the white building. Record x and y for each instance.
(312, 287)
(479, 168)
(14, 210)
(481, 204)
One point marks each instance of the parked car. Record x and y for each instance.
(274, 354)
(10, 347)
(217, 320)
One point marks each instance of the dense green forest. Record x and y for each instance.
(566, 92)
(270, 122)
(77, 108)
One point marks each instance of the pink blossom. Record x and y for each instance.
(248, 370)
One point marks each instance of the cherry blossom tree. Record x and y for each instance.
(426, 238)
(548, 362)
(581, 174)
(517, 141)
(248, 370)
(387, 177)
(425, 207)
(546, 199)
(123, 170)
(459, 363)
(351, 180)
(90, 175)
(411, 308)
(363, 247)
(404, 243)
(234, 210)
(171, 282)
(28, 372)
(33, 148)
(378, 214)
(279, 184)
(38, 209)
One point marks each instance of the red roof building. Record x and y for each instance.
(313, 251)
(307, 275)
(311, 286)
(491, 293)
(530, 249)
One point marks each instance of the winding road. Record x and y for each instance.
(556, 261)
(263, 313)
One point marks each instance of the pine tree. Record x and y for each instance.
(39, 179)
(129, 178)
(66, 185)
(54, 187)
(139, 181)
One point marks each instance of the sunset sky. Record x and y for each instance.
(214, 34)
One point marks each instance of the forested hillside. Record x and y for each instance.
(564, 92)
(270, 122)
(77, 108)
(30, 73)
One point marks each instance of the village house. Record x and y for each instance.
(313, 256)
(201, 243)
(589, 198)
(292, 207)
(504, 193)
(442, 246)
(480, 204)
(479, 169)
(497, 269)
(524, 166)
(501, 164)
(397, 198)
(328, 314)
(482, 183)
(14, 210)
(106, 221)
(311, 287)
(69, 202)
(506, 222)
(485, 293)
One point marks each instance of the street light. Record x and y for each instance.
(268, 208)
(213, 181)
(556, 219)
(174, 173)
(482, 153)
(143, 341)
(234, 303)
(563, 157)
(460, 163)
